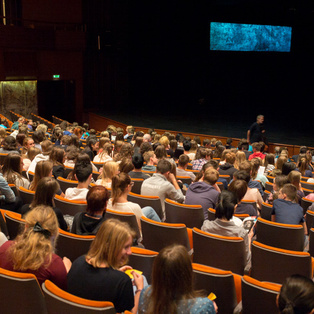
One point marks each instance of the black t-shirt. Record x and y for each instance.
(85, 225)
(101, 284)
(255, 132)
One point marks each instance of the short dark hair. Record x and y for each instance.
(226, 203)
(82, 170)
(137, 161)
(187, 145)
(183, 160)
(242, 175)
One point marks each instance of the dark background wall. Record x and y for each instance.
(153, 57)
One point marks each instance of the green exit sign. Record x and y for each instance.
(56, 76)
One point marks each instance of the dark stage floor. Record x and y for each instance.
(276, 131)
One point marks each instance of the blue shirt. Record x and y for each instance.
(287, 212)
(191, 306)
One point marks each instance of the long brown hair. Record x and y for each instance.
(12, 168)
(172, 280)
(118, 185)
(43, 169)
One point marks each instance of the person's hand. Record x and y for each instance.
(215, 306)
(138, 280)
(172, 178)
(124, 268)
(67, 263)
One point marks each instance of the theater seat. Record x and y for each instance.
(60, 301)
(20, 293)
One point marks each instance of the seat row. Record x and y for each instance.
(230, 289)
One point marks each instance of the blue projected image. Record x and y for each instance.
(249, 37)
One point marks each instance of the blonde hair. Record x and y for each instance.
(109, 169)
(164, 141)
(110, 240)
(240, 157)
(31, 249)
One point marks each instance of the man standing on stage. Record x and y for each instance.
(256, 131)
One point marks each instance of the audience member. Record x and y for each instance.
(286, 210)
(136, 173)
(121, 187)
(57, 156)
(256, 174)
(45, 192)
(46, 148)
(296, 295)
(89, 222)
(204, 192)
(182, 166)
(102, 267)
(43, 169)
(105, 154)
(239, 188)
(151, 161)
(228, 168)
(171, 291)
(9, 145)
(12, 170)
(224, 226)
(163, 184)
(83, 174)
(201, 157)
(33, 250)
(110, 169)
(252, 193)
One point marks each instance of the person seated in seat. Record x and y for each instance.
(163, 183)
(33, 250)
(223, 224)
(89, 222)
(239, 187)
(83, 174)
(182, 166)
(286, 209)
(99, 275)
(151, 161)
(205, 192)
(171, 291)
(45, 192)
(136, 173)
(296, 295)
(121, 187)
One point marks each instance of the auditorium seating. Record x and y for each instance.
(275, 264)
(224, 284)
(60, 301)
(190, 215)
(258, 296)
(157, 235)
(72, 245)
(20, 293)
(144, 200)
(26, 195)
(226, 253)
(14, 222)
(284, 236)
(142, 259)
(69, 207)
(127, 217)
